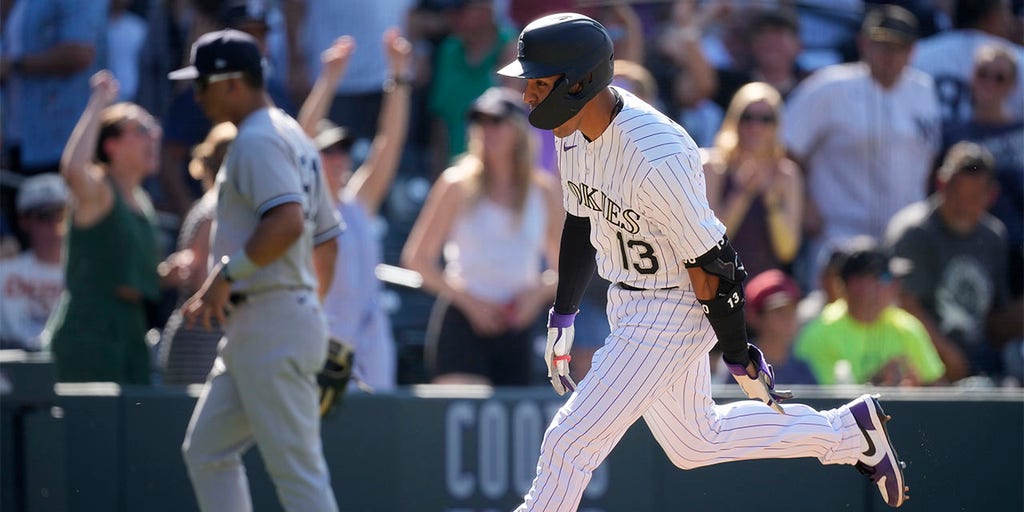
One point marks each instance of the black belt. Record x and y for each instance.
(625, 286)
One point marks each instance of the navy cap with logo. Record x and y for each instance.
(223, 51)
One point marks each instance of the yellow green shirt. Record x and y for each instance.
(834, 335)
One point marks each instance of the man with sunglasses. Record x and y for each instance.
(273, 242)
(32, 282)
(948, 56)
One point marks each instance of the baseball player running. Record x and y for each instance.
(634, 193)
(274, 224)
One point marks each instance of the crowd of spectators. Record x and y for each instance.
(882, 247)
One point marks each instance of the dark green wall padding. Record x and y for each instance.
(97, 447)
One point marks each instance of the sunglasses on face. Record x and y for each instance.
(996, 76)
(766, 118)
(201, 83)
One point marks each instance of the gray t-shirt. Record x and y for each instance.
(270, 163)
(959, 279)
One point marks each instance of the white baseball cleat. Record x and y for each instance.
(879, 462)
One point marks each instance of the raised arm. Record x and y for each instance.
(372, 179)
(335, 60)
(93, 196)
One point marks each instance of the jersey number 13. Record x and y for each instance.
(637, 255)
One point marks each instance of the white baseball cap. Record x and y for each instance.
(41, 190)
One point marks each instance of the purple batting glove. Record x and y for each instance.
(761, 388)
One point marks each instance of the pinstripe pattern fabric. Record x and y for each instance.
(642, 186)
(655, 365)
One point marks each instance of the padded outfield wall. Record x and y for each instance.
(99, 447)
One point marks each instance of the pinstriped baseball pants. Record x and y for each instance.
(655, 365)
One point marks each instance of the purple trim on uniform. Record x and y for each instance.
(328, 235)
(560, 320)
(278, 200)
(737, 369)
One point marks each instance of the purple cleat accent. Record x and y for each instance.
(879, 462)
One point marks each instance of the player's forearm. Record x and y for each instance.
(279, 228)
(576, 264)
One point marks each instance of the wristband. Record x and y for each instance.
(394, 82)
(560, 320)
(238, 266)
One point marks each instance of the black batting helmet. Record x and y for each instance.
(567, 44)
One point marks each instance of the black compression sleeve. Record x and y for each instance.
(576, 264)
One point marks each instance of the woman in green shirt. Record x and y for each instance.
(97, 332)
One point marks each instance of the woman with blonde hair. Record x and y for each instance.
(187, 353)
(751, 185)
(97, 332)
(497, 221)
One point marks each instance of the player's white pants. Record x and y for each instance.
(655, 364)
(262, 388)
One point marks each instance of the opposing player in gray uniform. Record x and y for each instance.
(635, 197)
(273, 241)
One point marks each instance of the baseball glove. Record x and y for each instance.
(335, 376)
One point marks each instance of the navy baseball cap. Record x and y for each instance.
(223, 51)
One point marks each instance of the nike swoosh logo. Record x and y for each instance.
(871, 444)
(567, 148)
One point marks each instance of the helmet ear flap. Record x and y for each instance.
(552, 112)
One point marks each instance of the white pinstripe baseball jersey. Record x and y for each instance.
(642, 186)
